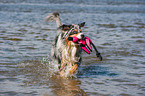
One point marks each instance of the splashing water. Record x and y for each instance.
(46, 67)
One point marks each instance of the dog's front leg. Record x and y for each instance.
(73, 54)
(73, 68)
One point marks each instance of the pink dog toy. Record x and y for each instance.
(86, 45)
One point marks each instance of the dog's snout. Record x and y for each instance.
(80, 36)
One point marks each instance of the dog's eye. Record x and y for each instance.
(75, 30)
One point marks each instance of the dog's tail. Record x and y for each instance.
(54, 17)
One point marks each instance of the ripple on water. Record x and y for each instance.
(107, 25)
(94, 72)
(137, 37)
(13, 39)
(140, 41)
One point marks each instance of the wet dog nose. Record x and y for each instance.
(82, 36)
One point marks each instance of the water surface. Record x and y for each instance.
(116, 27)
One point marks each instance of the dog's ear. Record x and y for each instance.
(64, 27)
(82, 24)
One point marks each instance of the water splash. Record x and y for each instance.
(37, 72)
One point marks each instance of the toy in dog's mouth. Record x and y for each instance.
(84, 42)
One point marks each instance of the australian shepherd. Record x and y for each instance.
(68, 45)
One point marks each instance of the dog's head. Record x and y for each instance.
(71, 35)
(73, 30)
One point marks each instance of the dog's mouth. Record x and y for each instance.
(83, 41)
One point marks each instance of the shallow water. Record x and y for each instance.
(116, 27)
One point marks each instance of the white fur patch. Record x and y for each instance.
(79, 36)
